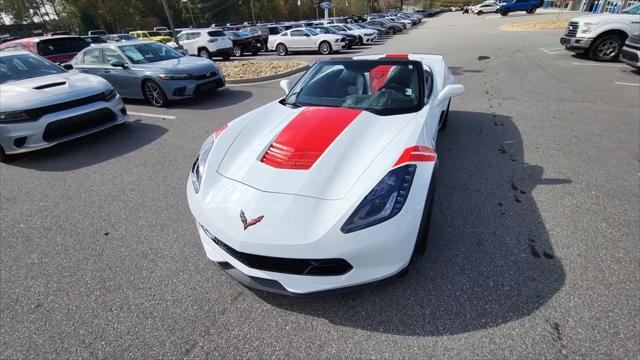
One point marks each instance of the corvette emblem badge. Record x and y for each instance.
(251, 222)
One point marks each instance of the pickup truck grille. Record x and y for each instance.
(572, 29)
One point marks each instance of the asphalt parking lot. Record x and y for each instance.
(533, 248)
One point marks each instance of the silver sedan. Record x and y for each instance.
(41, 104)
(149, 70)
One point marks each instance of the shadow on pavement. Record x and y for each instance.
(211, 100)
(489, 259)
(91, 149)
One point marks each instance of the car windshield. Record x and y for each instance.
(384, 87)
(154, 33)
(350, 27)
(635, 9)
(241, 33)
(25, 66)
(149, 53)
(126, 37)
(66, 45)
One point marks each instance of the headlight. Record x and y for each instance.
(383, 202)
(9, 116)
(174, 76)
(588, 27)
(109, 94)
(198, 166)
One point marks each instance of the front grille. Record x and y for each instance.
(572, 29)
(204, 76)
(37, 113)
(310, 267)
(208, 86)
(76, 124)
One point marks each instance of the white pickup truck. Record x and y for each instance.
(601, 36)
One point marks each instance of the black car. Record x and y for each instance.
(260, 31)
(243, 42)
(352, 40)
(390, 28)
(93, 39)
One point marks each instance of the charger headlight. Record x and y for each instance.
(9, 116)
(383, 202)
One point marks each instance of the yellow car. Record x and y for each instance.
(151, 36)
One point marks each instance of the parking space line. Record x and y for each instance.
(554, 51)
(151, 115)
(626, 83)
(599, 64)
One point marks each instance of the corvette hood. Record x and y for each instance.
(317, 152)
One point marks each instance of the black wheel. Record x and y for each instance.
(281, 49)
(479, 13)
(393, 31)
(445, 117)
(425, 223)
(324, 48)
(360, 40)
(237, 52)
(532, 10)
(606, 48)
(504, 12)
(263, 47)
(154, 93)
(204, 53)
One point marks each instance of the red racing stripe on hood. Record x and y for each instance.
(307, 136)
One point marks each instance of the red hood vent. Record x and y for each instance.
(306, 137)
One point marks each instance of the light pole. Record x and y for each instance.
(173, 29)
(193, 22)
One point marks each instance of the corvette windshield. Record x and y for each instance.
(384, 87)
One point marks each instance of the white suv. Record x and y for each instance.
(205, 43)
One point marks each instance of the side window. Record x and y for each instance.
(92, 57)
(194, 36)
(298, 33)
(109, 55)
(182, 37)
(136, 35)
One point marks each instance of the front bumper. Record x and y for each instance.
(630, 55)
(181, 89)
(57, 127)
(575, 44)
(374, 253)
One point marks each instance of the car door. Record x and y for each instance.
(188, 42)
(91, 61)
(125, 81)
(300, 40)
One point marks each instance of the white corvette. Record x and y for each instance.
(331, 186)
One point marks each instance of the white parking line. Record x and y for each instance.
(598, 64)
(554, 51)
(151, 115)
(625, 83)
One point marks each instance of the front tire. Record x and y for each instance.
(606, 48)
(204, 53)
(237, 52)
(324, 48)
(479, 13)
(281, 49)
(360, 41)
(504, 12)
(532, 10)
(154, 93)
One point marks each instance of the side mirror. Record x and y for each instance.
(285, 85)
(67, 66)
(118, 63)
(450, 91)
